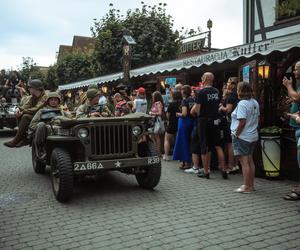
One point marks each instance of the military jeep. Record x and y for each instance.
(79, 147)
(7, 116)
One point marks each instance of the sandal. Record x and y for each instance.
(292, 196)
(184, 166)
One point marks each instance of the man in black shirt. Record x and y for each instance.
(207, 108)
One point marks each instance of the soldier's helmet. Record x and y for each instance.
(53, 95)
(91, 93)
(93, 86)
(36, 84)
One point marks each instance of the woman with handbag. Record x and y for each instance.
(158, 111)
(182, 150)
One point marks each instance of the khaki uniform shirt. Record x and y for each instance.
(83, 111)
(32, 104)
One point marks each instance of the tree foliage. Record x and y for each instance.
(29, 70)
(150, 26)
(73, 67)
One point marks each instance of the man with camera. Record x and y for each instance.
(92, 108)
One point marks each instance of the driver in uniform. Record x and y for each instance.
(92, 108)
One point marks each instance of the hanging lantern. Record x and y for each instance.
(264, 70)
(69, 94)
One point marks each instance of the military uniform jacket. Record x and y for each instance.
(83, 111)
(37, 117)
(33, 104)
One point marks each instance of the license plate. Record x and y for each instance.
(88, 166)
(153, 160)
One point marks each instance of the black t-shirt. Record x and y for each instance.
(173, 108)
(231, 99)
(209, 99)
(189, 103)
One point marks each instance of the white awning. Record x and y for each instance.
(281, 44)
(97, 80)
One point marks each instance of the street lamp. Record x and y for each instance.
(128, 42)
(209, 26)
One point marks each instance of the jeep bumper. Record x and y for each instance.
(80, 167)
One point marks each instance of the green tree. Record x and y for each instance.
(150, 26)
(30, 70)
(51, 78)
(73, 67)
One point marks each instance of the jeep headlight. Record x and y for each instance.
(83, 133)
(136, 130)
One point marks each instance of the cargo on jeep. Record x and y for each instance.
(90, 145)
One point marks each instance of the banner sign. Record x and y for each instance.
(190, 46)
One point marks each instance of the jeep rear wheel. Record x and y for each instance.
(150, 178)
(38, 165)
(62, 177)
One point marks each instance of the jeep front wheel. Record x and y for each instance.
(62, 177)
(151, 176)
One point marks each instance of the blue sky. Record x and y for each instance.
(31, 28)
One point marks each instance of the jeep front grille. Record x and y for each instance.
(113, 139)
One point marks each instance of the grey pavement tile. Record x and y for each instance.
(184, 212)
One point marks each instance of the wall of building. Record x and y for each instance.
(260, 21)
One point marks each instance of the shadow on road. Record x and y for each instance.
(7, 132)
(105, 184)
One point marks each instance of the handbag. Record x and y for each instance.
(159, 125)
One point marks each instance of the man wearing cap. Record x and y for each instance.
(92, 108)
(140, 103)
(25, 113)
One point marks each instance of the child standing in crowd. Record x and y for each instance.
(185, 126)
(172, 122)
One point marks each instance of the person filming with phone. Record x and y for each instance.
(294, 122)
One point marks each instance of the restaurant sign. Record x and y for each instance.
(230, 53)
(191, 46)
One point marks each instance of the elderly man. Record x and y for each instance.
(295, 96)
(25, 113)
(92, 108)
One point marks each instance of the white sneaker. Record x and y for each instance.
(193, 170)
(166, 157)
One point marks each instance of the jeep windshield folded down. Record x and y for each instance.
(89, 145)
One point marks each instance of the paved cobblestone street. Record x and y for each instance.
(112, 212)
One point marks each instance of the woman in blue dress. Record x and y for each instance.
(185, 126)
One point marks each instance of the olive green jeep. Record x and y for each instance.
(79, 147)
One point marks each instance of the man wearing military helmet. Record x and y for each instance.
(53, 101)
(92, 108)
(38, 126)
(25, 113)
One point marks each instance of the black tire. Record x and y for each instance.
(38, 165)
(152, 174)
(62, 176)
